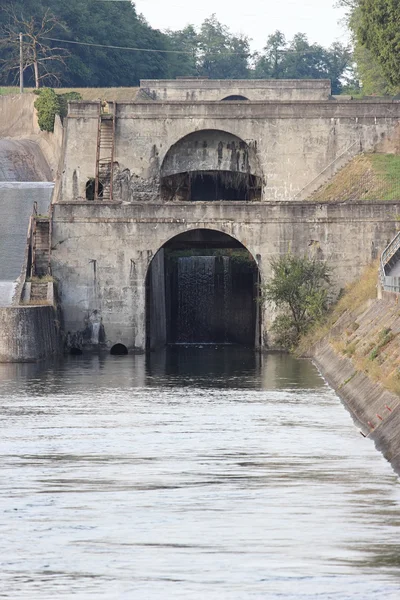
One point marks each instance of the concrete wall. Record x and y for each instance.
(28, 333)
(375, 409)
(101, 252)
(21, 138)
(294, 141)
(200, 90)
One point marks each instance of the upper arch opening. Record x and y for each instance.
(211, 165)
(235, 97)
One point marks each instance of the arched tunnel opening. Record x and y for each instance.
(202, 287)
(211, 165)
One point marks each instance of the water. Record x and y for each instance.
(210, 304)
(16, 205)
(204, 473)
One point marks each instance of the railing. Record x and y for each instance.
(390, 284)
(330, 169)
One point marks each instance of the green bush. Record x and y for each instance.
(49, 104)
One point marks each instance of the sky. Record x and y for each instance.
(254, 18)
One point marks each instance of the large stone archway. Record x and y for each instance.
(211, 165)
(202, 287)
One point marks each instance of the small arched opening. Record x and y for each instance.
(203, 287)
(234, 98)
(75, 351)
(91, 189)
(211, 165)
(119, 350)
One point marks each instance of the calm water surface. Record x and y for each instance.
(201, 473)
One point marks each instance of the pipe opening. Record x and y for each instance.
(119, 350)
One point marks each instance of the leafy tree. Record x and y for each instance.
(271, 64)
(298, 59)
(185, 40)
(222, 55)
(378, 30)
(299, 289)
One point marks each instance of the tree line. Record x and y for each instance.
(64, 46)
(375, 28)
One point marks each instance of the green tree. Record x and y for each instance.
(299, 289)
(271, 63)
(221, 54)
(378, 30)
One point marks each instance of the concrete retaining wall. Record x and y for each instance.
(375, 409)
(19, 124)
(28, 333)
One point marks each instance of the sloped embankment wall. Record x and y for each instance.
(26, 153)
(361, 353)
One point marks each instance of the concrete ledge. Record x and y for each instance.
(28, 333)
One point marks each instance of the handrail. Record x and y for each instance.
(389, 283)
(328, 167)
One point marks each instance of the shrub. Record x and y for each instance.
(49, 104)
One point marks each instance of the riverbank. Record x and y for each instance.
(358, 352)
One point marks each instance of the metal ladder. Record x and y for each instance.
(105, 156)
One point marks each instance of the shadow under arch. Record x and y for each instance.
(211, 165)
(203, 287)
(235, 97)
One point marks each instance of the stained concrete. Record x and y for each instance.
(101, 252)
(201, 89)
(297, 145)
(28, 333)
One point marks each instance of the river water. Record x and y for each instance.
(208, 473)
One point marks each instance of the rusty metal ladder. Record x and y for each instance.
(105, 155)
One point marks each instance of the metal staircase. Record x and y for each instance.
(105, 155)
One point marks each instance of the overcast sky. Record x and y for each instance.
(255, 18)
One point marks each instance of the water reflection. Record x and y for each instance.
(197, 472)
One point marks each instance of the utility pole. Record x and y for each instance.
(21, 64)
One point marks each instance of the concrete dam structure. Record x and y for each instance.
(208, 169)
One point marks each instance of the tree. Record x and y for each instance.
(299, 289)
(270, 64)
(378, 30)
(222, 55)
(38, 54)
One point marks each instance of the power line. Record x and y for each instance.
(190, 53)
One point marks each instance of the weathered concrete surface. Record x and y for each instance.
(101, 252)
(374, 408)
(297, 145)
(23, 145)
(23, 160)
(28, 333)
(200, 90)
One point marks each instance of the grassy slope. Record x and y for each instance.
(364, 329)
(365, 177)
(117, 94)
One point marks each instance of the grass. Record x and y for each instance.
(354, 299)
(120, 94)
(367, 177)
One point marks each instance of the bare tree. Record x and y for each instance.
(38, 53)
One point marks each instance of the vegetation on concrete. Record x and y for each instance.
(49, 104)
(367, 177)
(299, 287)
(371, 345)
